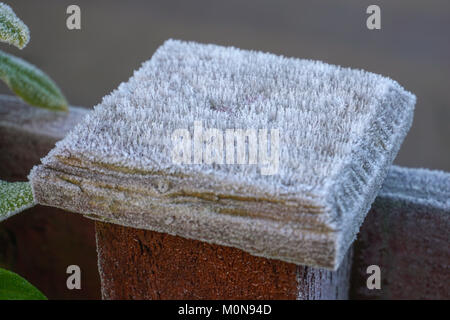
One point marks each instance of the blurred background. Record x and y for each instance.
(412, 47)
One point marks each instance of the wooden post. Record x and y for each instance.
(304, 206)
(405, 233)
(41, 242)
(142, 264)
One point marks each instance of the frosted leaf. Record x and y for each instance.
(14, 198)
(30, 83)
(12, 29)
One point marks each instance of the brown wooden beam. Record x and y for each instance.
(142, 264)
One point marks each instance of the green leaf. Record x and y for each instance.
(14, 287)
(12, 29)
(30, 83)
(14, 198)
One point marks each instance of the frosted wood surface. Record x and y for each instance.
(340, 130)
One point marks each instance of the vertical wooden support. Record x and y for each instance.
(142, 264)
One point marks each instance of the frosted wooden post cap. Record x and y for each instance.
(325, 137)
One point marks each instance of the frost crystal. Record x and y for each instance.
(14, 198)
(12, 29)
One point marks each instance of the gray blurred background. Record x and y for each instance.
(412, 47)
